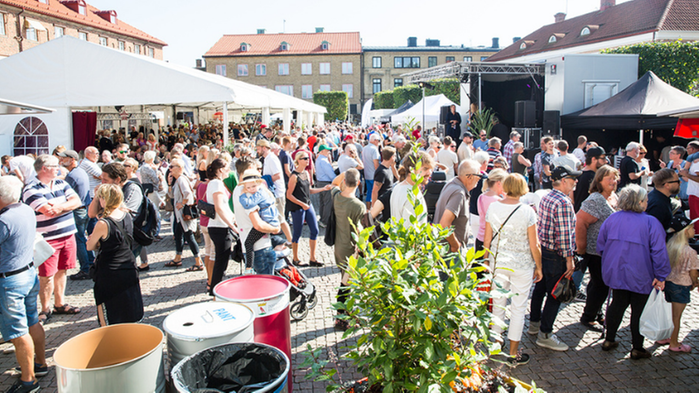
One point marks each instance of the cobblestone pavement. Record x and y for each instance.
(583, 368)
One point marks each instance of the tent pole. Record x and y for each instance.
(480, 99)
(640, 136)
(225, 124)
(424, 127)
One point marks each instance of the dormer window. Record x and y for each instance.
(552, 39)
(244, 47)
(78, 6)
(325, 45)
(523, 46)
(109, 16)
(284, 46)
(585, 31)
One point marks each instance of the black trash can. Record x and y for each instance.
(237, 367)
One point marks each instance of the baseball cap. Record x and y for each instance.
(467, 134)
(69, 153)
(564, 171)
(324, 147)
(680, 222)
(596, 152)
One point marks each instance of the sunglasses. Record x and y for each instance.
(123, 151)
(175, 166)
(480, 175)
(304, 158)
(673, 181)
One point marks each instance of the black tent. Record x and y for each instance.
(634, 108)
(406, 105)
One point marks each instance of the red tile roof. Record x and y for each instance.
(270, 44)
(626, 19)
(57, 10)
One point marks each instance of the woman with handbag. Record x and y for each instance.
(510, 233)
(222, 225)
(183, 223)
(117, 287)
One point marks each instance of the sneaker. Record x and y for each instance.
(20, 387)
(580, 297)
(39, 370)
(550, 341)
(81, 275)
(534, 327)
(520, 359)
(321, 224)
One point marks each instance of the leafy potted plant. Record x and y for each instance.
(419, 321)
(482, 120)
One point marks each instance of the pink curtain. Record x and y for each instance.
(84, 130)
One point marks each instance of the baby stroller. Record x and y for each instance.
(303, 292)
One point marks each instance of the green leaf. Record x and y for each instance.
(448, 377)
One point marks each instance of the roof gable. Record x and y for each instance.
(56, 9)
(302, 43)
(630, 18)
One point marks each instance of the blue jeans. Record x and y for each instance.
(18, 304)
(264, 261)
(86, 258)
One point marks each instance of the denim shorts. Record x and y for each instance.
(18, 304)
(264, 261)
(677, 293)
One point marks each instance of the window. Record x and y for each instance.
(31, 34)
(585, 31)
(285, 89)
(283, 68)
(151, 52)
(324, 45)
(243, 47)
(468, 58)
(260, 69)
(523, 45)
(221, 69)
(137, 49)
(324, 88)
(31, 136)
(284, 46)
(450, 59)
(406, 62)
(432, 61)
(596, 92)
(347, 68)
(57, 31)
(324, 68)
(103, 41)
(376, 62)
(122, 45)
(376, 83)
(44, 1)
(397, 82)
(483, 58)
(82, 35)
(82, 10)
(2, 24)
(348, 89)
(306, 69)
(242, 70)
(307, 91)
(552, 39)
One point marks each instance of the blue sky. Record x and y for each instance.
(191, 27)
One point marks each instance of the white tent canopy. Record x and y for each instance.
(432, 109)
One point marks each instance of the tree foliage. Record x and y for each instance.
(392, 99)
(402, 94)
(676, 63)
(336, 102)
(383, 100)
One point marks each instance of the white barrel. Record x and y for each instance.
(124, 358)
(205, 325)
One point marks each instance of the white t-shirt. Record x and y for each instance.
(242, 217)
(346, 162)
(25, 164)
(401, 206)
(579, 154)
(692, 186)
(271, 167)
(448, 158)
(370, 153)
(213, 187)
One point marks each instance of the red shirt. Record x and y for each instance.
(416, 133)
(311, 141)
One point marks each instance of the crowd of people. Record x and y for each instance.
(248, 199)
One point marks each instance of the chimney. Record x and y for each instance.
(412, 42)
(429, 42)
(198, 63)
(319, 29)
(515, 39)
(496, 42)
(261, 31)
(604, 4)
(560, 17)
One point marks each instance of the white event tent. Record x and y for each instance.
(67, 73)
(432, 105)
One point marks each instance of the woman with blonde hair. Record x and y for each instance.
(492, 192)
(202, 156)
(401, 207)
(117, 288)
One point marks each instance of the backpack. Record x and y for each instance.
(145, 225)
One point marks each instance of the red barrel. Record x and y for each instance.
(268, 297)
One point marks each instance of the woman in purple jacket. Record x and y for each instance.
(634, 261)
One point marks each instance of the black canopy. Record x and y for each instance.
(634, 108)
(406, 105)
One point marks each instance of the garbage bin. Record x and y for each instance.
(268, 297)
(237, 367)
(124, 358)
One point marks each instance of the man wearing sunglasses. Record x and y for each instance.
(122, 153)
(666, 183)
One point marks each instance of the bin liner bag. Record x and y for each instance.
(230, 368)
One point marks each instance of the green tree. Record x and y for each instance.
(676, 63)
(402, 94)
(384, 100)
(448, 87)
(336, 102)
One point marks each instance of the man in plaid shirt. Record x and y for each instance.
(557, 236)
(509, 148)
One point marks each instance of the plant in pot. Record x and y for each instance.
(418, 320)
(482, 120)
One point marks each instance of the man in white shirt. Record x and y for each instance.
(273, 167)
(564, 158)
(371, 158)
(448, 158)
(465, 150)
(579, 151)
(23, 167)
(89, 165)
(349, 159)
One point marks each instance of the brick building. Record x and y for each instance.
(384, 65)
(294, 64)
(27, 23)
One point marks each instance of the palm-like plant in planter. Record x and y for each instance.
(421, 323)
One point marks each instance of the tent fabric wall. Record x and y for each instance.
(432, 108)
(84, 129)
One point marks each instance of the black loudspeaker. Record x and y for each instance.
(353, 109)
(552, 123)
(180, 115)
(525, 114)
(294, 114)
(443, 114)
